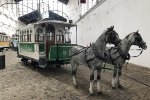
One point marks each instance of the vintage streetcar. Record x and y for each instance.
(4, 40)
(45, 43)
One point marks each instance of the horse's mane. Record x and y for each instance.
(128, 35)
(124, 39)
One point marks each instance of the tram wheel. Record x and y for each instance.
(58, 66)
(25, 61)
(35, 64)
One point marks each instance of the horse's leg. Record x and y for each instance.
(98, 81)
(114, 78)
(119, 75)
(91, 82)
(74, 71)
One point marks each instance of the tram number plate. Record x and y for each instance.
(64, 52)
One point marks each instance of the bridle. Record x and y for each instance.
(127, 56)
(110, 39)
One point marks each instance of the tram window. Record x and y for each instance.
(36, 37)
(23, 35)
(30, 35)
(20, 37)
(67, 37)
(50, 36)
(59, 37)
(39, 36)
(31, 31)
(27, 35)
(3, 38)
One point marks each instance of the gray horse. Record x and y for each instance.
(87, 57)
(118, 55)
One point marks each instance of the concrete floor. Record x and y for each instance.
(20, 82)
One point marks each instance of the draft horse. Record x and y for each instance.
(91, 57)
(118, 55)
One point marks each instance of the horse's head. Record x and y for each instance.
(112, 36)
(137, 40)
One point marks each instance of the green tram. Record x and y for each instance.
(45, 43)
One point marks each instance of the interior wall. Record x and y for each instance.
(126, 15)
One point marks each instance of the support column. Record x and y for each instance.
(87, 5)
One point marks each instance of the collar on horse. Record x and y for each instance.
(123, 55)
(96, 53)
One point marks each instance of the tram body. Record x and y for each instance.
(4, 40)
(45, 42)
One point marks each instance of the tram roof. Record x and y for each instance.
(55, 22)
(3, 33)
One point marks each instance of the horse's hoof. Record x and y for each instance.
(120, 87)
(92, 94)
(99, 93)
(114, 88)
(76, 86)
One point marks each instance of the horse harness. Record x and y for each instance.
(106, 56)
(121, 54)
(96, 55)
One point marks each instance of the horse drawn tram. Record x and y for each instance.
(45, 42)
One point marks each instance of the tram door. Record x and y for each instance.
(50, 38)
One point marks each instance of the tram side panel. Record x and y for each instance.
(59, 53)
(4, 40)
(28, 48)
(29, 51)
(4, 44)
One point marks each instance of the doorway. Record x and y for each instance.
(50, 38)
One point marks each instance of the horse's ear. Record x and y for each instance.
(111, 28)
(137, 31)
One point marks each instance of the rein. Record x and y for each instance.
(123, 55)
(85, 48)
(79, 51)
(139, 53)
(133, 56)
(98, 55)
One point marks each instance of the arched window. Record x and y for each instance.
(39, 36)
(60, 37)
(28, 35)
(50, 33)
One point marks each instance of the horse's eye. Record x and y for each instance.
(113, 36)
(139, 39)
